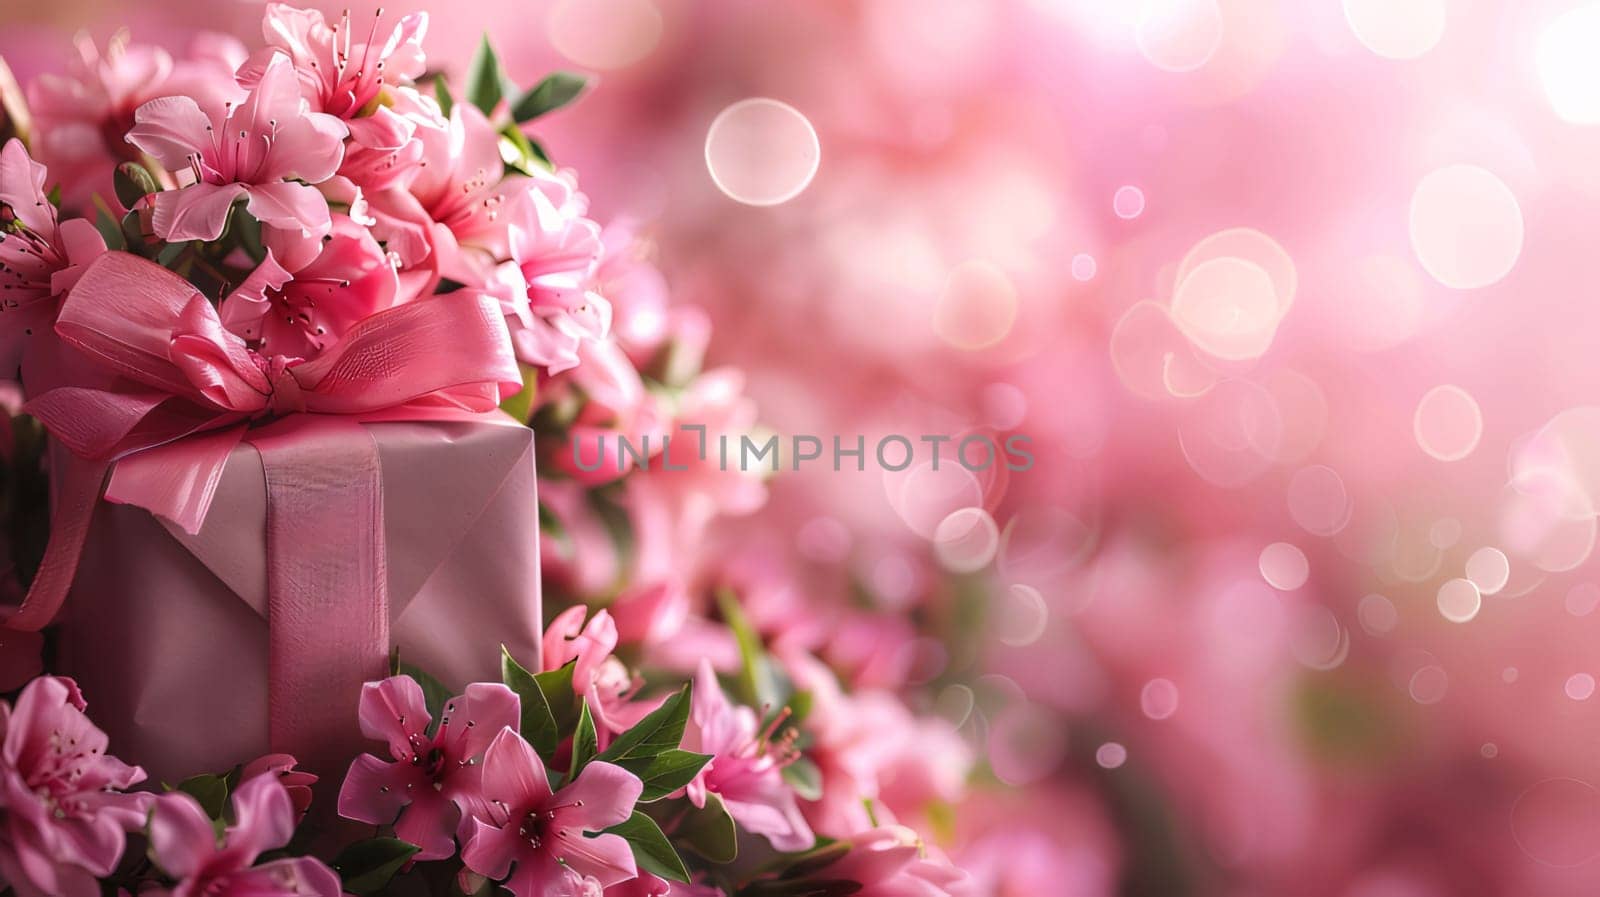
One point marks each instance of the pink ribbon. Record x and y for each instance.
(188, 391)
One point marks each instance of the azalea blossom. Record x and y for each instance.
(298, 315)
(297, 782)
(746, 768)
(63, 816)
(891, 861)
(81, 115)
(255, 150)
(185, 845)
(597, 675)
(549, 281)
(431, 779)
(363, 80)
(40, 257)
(537, 840)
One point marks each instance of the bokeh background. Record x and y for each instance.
(1297, 301)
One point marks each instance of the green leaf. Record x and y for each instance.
(556, 90)
(584, 741)
(434, 693)
(538, 723)
(806, 779)
(441, 92)
(665, 772)
(661, 730)
(169, 253)
(520, 406)
(366, 867)
(110, 230)
(759, 683)
(486, 83)
(556, 686)
(710, 832)
(210, 790)
(133, 182)
(651, 849)
(55, 195)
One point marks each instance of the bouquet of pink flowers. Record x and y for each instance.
(257, 248)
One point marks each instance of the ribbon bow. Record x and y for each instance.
(187, 390)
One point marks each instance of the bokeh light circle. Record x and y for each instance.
(1447, 423)
(762, 152)
(1377, 615)
(1579, 687)
(1110, 755)
(966, 540)
(976, 308)
(1396, 29)
(1020, 615)
(1557, 822)
(1466, 226)
(1318, 500)
(1284, 566)
(1488, 569)
(1159, 699)
(1083, 267)
(1128, 202)
(1179, 35)
(1228, 308)
(1459, 600)
(1569, 67)
(1429, 684)
(604, 34)
(1582, 599)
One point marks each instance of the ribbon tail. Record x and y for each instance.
(177, 480)
(69, 530)
(327, 590)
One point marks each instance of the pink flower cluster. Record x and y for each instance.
(304, 189)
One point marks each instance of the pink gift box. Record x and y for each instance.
(168, 633)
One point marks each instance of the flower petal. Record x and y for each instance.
(394, 710)
(196, 212)
(602, 796)
(171, 129)
(181, 836)
(288, 204)
(370, 793)
(513, 774)
(607, 858)
(264, 817)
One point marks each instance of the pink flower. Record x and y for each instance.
(82, 116)
(601, 678)
(255, 150)
(544, 834)
(549, 282)
(459, 190)
(282, 766)
(40, 258)
(298, 315)
(354, 80)
(339, 74)
(63, 820)
(891, 861)
(746, 768)
(185, 845)
(432, 779)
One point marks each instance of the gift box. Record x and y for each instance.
(193, 646)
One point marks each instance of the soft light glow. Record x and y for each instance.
(977, 307)
(1228, 308)
(1110, 755)
(1128, 202)
(1447, 423)
(1318, 500)
(1466, 226)
(1569, 67)
(1377, 615)
(1557, 822)
(1488, 569)
(1579, 687)
(604, 34)
(1429, 684)
(1396, 29)
(1179, 35)
(1284, 566)
(1159, 698)
(762, 152)
(966, 541)
(1459, 600)
(1020, 616)
(1083, 266)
